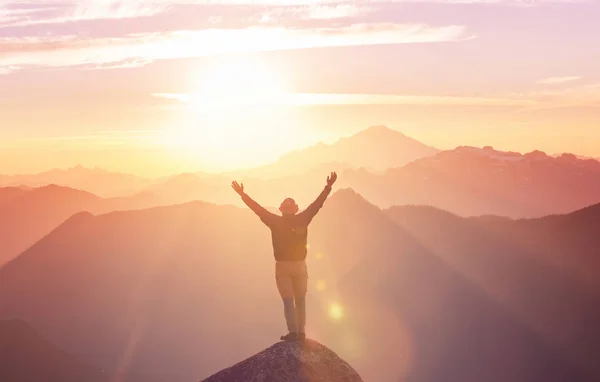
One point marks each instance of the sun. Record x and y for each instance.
(234, 116)
(238, 83)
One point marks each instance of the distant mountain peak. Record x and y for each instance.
(536, 154)
(568, 157)
(488, 151)
(380, 132)
(381, 129)
(290, 362)
(347, 196)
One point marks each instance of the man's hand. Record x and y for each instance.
(239, 188)
(331, 179)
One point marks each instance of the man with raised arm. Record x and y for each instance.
(289, 236)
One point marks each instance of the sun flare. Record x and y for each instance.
(238, 83)
(336, 311)
(233, 116)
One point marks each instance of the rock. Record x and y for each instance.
(302, 361)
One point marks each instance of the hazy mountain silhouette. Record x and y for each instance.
(27, 357)
(164, 290)
(291, 362)
(376, 148)
(9, 193)
(26, 215)
(98, 181)
(471, 181)
(523, 270)
(191, 186)
(158, 285)
(151, 284)
(468, 181)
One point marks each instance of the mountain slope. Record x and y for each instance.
(290, 361)
(97, 181)
(470, 181)
(187, 187)
(31, 215)
(26, 357)
(550, 302)
(9, 193)
(27, 215)
(172, 275)
(376, 148)
(422, 301)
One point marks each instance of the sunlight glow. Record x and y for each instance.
(336, 311)
(321, 285)
(232, 118)
(237, 83)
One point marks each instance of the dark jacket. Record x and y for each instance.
(289, 233)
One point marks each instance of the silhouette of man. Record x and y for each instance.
(289, 236)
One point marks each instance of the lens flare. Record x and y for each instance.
(336, 311)
(321, 285)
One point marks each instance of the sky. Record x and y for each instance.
(157, 87)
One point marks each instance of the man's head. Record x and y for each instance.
(288, 207)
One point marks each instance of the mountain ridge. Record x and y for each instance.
(291, 362)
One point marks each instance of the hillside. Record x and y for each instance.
(376, 148)
(97, 181)
(26, 357)
(291, 362)
(470, 182)
(549, 295)
(391, 293)
(27, 215)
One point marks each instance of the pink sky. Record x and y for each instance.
(108, 83)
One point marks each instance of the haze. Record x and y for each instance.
(454, 146)
(157, 88)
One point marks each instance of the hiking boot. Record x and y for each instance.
(290, 337)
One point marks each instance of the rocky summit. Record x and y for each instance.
(300, 361)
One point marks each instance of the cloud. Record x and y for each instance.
(67, 51)
(40, 12)
(557, 80)
(328, 12)
(125, 64)
(32, 12)
(583, 95)
(309, 99)
(311, 12)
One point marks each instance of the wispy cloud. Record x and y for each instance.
(65, 51)
(557, 80)
(311, 12)
(15, 13)
(583, 95)
(311, 99)
(40, 12)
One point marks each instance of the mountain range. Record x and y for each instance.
(470, 181)
(376, 149)
(425, 294)
(96, 180)
(386, 167)
(468, 264)
(26, 215)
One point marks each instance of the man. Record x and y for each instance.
(289, 236)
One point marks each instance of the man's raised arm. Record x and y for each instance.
(315, 206)
(264, 215)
